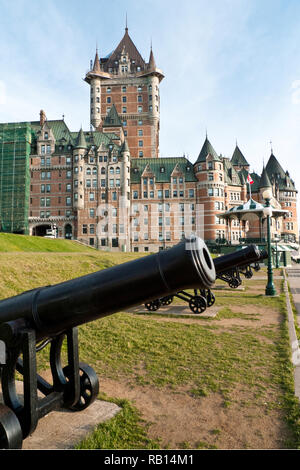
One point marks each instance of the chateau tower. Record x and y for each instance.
(124, 80)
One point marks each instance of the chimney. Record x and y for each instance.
(42, 118)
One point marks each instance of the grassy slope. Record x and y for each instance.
(12, 243)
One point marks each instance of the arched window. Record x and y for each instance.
(103, 171)
(111, 170)
(88, 171)
(94, 170)
(118, 170)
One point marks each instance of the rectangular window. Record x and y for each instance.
(159, 194)
(140, 132)
(124, 99)
(135, 195)
(68, 201)
(88, 183)
(42, 188)
(167, 193)
(140, 109)
(84, 229)
(141, 143)
(124, 109)
(92, 229)
(191, 193)
(92, 196)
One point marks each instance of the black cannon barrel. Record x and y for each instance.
(245, 256)
(53, 309)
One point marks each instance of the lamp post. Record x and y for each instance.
(277, 259)
(270, 288)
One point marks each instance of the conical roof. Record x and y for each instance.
(96, 66)
(151, 64)
(125, 147)
(81, 142)
(264, 181)
(238, 158)
(126, 44)
(207, 149)
(274, 168)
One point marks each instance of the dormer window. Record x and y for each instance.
(108, 89)
(46, 135)
(210, 165)
(138, 68)
(162, 169)
(124, 59)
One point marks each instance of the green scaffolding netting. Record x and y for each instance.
(15, 144)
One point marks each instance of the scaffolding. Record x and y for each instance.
(15, 145)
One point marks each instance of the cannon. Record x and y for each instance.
(51, 314)
(228, 268)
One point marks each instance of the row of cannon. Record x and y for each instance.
(201, 299)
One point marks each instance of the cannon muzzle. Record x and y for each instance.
(53, 309)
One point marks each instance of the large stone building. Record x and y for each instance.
(108, 187)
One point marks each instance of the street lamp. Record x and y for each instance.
(267, 195)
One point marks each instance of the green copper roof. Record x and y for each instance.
(81, 142)
(231, 176)
(243, 176)
(255, 184)
(264, 180)
(238, 158)
(112, 119)
(207, 149)
(162, 168)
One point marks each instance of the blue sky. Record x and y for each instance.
(232, 67)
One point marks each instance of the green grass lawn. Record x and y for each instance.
(10, 242)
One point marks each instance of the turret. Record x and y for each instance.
(93, 77)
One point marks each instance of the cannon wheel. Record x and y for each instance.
(210, 299)
(234, 283)
(89, 386)
(167, 300)
(11, 436)
(153, 306)
(197, 304)
(248, 274)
